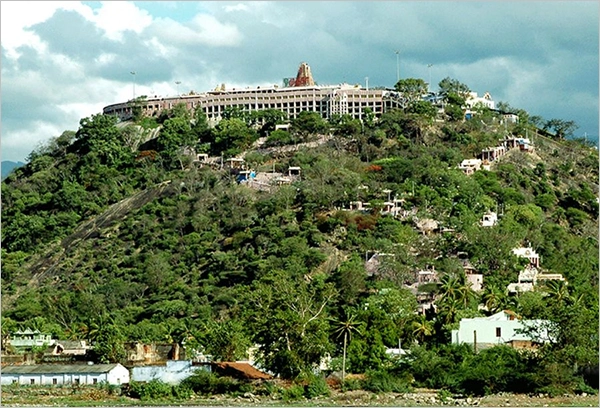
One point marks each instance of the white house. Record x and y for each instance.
(529, 278)
(470, 166)
(485, 100)
(489, 219)
(501, 328)
(54, 374)
(529, 253)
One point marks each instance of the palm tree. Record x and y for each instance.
(558, 291)
(422, 328)
(344, 328)
(456, 288)
(448, 309)
(493, 298)
(449, 286)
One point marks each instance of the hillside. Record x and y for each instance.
(113, 236)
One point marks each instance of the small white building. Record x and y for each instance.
(54, 374)
(485, 100)
(30, 338)
(470, 166)
(489, 219)
(501, 328)
(528, 279)
(529, 253)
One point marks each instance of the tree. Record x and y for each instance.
(107, 340)
(100, 136)
(562, 128)
(450, 86)
(231, 136)
(289, 321)
(344, 328)
(350, 279)
(422, 328)
(175, 135)
(308, 124)
(422, 108)
(493, 298)
(558, 291)
(267, 119)
(412, 89)
(225, 340)
(137, 108)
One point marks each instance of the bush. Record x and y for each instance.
(316, 386)
(494, 370)
(268, 388)
(278, 138)
(181, 392)
(437, 368)
(293, 393)
(383, 381)
(351, 384)
(202, 382)
(151, 390)
(206, 383)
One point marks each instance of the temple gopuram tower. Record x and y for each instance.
(304, 77)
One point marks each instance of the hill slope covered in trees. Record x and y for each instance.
(112, 233)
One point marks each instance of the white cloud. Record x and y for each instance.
(116, 17)
(237, 7)
(214, 33)
(20, 142)
(545, 67)
(17, 16)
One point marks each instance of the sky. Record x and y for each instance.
(65, 61)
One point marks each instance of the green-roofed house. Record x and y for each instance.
(54, 374)
(30, 338)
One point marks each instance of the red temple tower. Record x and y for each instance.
(304, 77)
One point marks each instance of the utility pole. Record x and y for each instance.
(177, 83)
(397, 65)
(429, 83)
(133, 73)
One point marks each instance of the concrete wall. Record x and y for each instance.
(486, 331)
(172, 373)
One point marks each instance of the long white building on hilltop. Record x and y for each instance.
(301, 94)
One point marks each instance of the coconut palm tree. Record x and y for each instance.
(422, 328)
(493, 298)
(558, 291)
(344, 328)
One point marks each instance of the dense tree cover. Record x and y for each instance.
(217, 267)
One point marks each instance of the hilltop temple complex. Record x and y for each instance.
(297, 95)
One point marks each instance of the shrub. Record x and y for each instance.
(181, 392)
(151, 390)
(202, 382)
(206, 383)
(496, 369)
(316, 386)
(268, 388)
(383, 381)
(293, 393)
(351, 384)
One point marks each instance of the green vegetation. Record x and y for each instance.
(113, 234)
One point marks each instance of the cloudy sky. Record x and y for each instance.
(63, 61)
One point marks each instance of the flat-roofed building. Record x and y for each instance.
(327, 100)
(54, 374)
